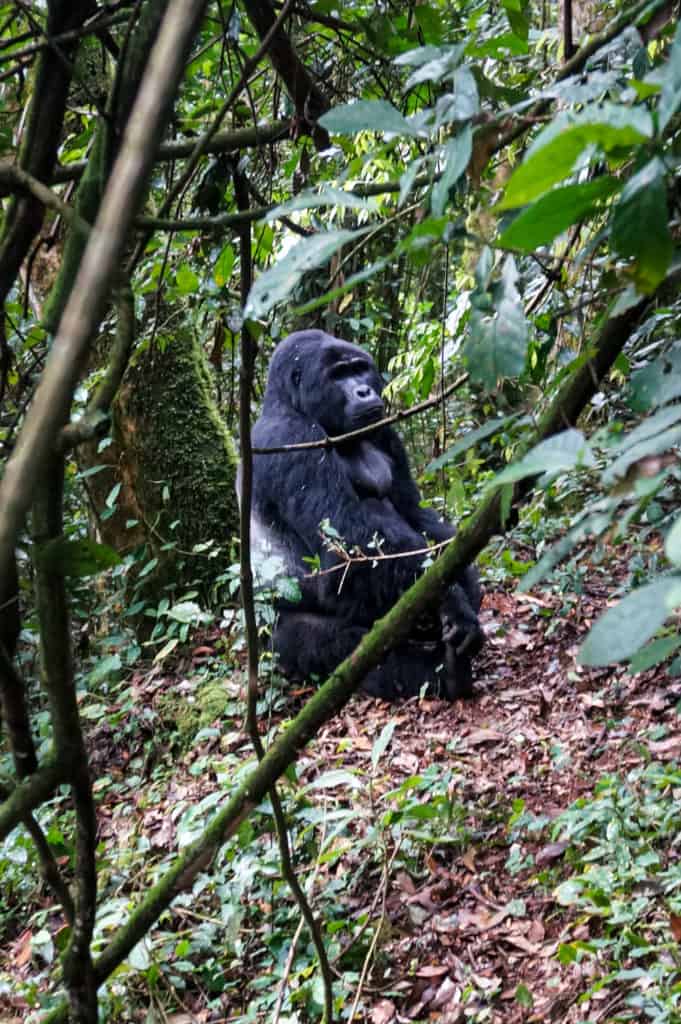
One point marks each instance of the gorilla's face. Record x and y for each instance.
(330, 381)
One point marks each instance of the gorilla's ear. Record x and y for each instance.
(295, 377)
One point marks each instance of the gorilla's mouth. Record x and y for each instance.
(371, 413)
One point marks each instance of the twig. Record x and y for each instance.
(248, 352)
(355, 435)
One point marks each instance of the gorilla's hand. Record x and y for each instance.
(463, 639)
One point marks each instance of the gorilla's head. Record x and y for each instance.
(329, 381)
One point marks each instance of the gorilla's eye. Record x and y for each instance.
(295, 378)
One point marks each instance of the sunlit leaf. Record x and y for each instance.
(554, 152)
(555, 212)
(456, 156)
(556, 454)
(366, 115)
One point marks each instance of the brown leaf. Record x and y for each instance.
(668, 749)
(484, 736)
(432, 971)
(469, 859)
(549, 853)
(675, 922)
(382, 1012)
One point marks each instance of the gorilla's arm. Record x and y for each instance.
(406, 497)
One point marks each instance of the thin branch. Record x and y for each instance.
(91, 27)
(355, 435)
(222, 142)
(248, 353)
(95, 419)
(201, 145)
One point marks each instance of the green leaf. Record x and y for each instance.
(554, 455)
(463, 103)
(497, 343)
(326, 197)
(654, 653)
(657, 383)
(457, 154)
(555, 212)
(185, 611)
(670, 98)
(640, 226)
(224, 266)
(366, 115)
(167, 649)
(523, 996)
(470, 438)
(441, 66)
(335, 777)
(554, 152)
(83, 557)
(656, 445)
(622, 630)
(186, 280)
(277, 283)
(672, 544)
(381, 744)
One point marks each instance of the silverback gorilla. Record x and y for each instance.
(320, 386)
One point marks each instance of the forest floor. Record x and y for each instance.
(457, 920)
(541, 732)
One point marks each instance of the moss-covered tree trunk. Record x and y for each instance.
(175, 462)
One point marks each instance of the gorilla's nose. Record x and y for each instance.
(363, 391)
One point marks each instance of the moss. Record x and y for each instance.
(173, 437)
(207, 705)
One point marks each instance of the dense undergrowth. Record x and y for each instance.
(503, 859)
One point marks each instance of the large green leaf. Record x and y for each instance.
(497, 344)
(672, 544)
(555, 212)
(326, 197)
(656, 445)
(640, 226)
(366, 115)
(82, 557)
(658, 383)
(462, 103)
(626, 627)
(651, 427)
(554, 455)
(554, 153)
(670, 98)
(277, 283)
(456, 155)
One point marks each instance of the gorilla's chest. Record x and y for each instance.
(369, 469)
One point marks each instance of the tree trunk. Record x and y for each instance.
(175, 461)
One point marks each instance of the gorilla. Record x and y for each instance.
(319, 386)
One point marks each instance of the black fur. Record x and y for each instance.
(321, 386)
